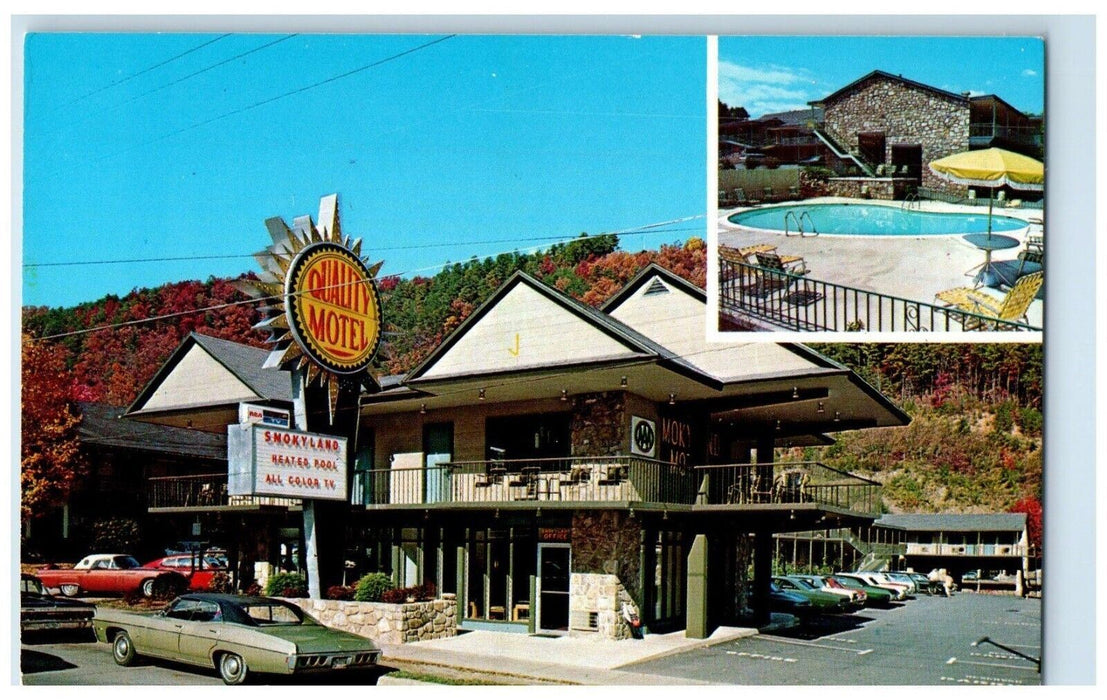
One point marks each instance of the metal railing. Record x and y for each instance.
(795, 302)
(202, 491)
(1019, 134)
(786, 482)
(575, 479)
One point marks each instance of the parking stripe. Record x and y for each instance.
(782, 640)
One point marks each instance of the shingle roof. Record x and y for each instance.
(246, 363)
(962, 522)
(101, 425)
(888, 76)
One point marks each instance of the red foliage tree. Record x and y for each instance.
(1033, 509)
(51, 461)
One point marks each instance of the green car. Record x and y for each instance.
(876, 596)
(823, 603)
(237, 635)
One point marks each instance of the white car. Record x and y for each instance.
(898, 590)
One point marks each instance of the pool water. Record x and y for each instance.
(872, 220)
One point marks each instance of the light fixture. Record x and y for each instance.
(564, 395)
(423, 409)
(481, 395)
(623, 381)
(795, 393)
(820, 408)
(792, 515)
(837, 416)
(778, 426)
(672, 399)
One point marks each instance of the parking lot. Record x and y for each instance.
(928, 641)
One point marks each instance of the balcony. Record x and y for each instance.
(616, 480)
(983, 133)
(777, 300)
(205, 492)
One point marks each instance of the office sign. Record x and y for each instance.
(264, 460)
(643, 437)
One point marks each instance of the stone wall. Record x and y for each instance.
(861, 187)
(605, 571)
(906, 114)
(599, 424)
(387, 623)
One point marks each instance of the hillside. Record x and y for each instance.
(974, 444)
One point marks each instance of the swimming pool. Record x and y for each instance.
(871, 220)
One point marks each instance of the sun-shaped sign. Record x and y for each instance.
(325, 315)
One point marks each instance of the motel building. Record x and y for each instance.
(551, 461)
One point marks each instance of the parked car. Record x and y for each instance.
(905, 579)
(41, 612)
(886, 578)
(898, 591)
(236, 635)
(922, 583)
(789, 602)
(200, 570)
(875, 596)
(111, 573)
(855, 596)
(823, 603)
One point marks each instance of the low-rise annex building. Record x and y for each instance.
(550, 462)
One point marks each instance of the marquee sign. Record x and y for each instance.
(333, 308)
(267, 461)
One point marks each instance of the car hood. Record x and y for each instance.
(312, 639)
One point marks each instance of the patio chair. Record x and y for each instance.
(1033, 253)
(776, 274)
(1013, 307)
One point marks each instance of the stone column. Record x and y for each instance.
(697, 625)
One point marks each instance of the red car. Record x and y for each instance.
(199, 570)
(110, 573)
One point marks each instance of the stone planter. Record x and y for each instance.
(387, 623)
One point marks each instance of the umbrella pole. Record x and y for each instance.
(991, 196)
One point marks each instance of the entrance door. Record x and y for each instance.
(438, 446)
(553, 587)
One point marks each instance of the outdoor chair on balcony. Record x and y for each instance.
(1012, 308)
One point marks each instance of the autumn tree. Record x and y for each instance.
(51, 460)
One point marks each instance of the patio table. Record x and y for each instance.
(986, 274)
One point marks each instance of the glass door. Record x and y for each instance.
(553, 587)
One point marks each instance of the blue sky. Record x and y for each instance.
(142, 146)
(774, 73)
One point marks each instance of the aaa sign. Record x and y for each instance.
(333, 308)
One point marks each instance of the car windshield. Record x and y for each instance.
(273, 614)
(125, 563)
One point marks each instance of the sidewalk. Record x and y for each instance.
(565, 660)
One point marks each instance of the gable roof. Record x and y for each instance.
(647, 273)
(879, 74)
(635, 342)
(103, 425)
(955, 522)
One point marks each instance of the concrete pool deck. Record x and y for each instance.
(912, 267)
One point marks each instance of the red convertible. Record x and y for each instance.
(111, 573)
(199, 570)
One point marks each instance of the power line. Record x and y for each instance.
(145, 70)
(644, 230)
(282, 96)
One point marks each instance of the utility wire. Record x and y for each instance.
(282, 96)
(639, 231)
(217, 307)
(145, 70)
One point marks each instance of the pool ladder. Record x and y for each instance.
(911, 201)
(798, 220)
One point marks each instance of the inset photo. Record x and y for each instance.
(881, 184)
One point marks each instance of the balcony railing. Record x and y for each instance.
(757, 295)
(204, 491)
(787, 483)
(1016, 134)
(575, 479)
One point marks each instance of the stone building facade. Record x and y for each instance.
(885, 108)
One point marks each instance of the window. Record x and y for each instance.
(527, 437)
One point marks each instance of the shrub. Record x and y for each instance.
(289, 585)
(340, 593)
(221, 582)
(252, 589)
(370, 587)
(394, 595)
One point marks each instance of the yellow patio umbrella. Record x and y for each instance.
(992, 168)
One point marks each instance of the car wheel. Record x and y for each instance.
(148, 588)
(69, 589)
(123, 650)
(232, 669)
